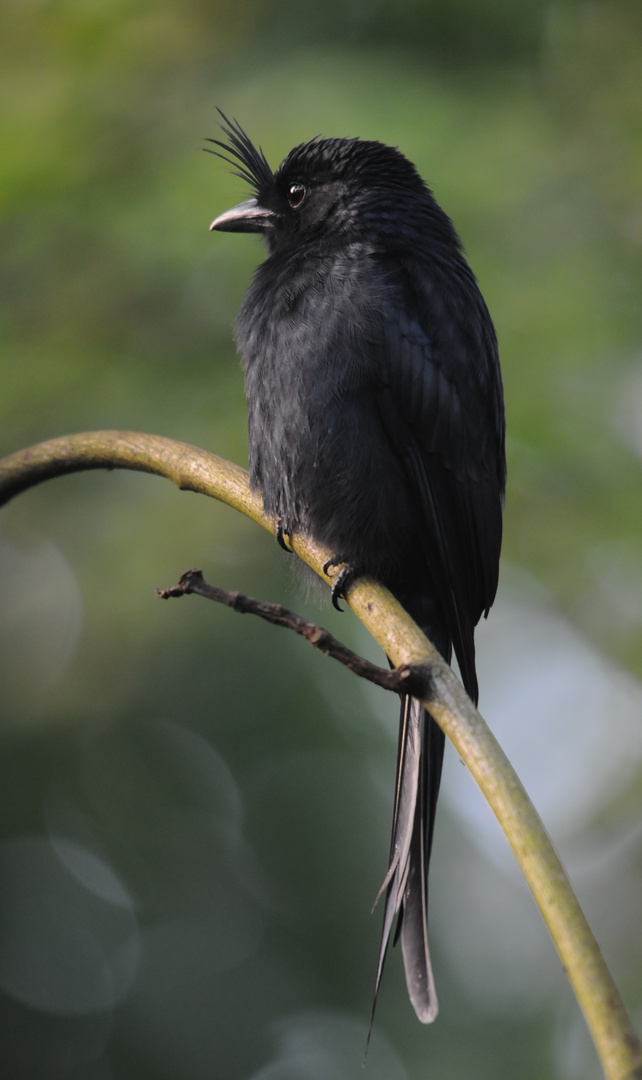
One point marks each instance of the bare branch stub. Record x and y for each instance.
(405, 679)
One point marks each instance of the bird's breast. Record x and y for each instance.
(318, 452)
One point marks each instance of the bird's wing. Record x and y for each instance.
(440, 404)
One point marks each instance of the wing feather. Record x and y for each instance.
(432, 402)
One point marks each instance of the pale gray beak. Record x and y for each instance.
(248, 216)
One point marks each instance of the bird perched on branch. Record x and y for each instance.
(376, 427)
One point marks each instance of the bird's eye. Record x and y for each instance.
(296, 195)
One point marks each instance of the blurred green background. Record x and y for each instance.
(196, 809)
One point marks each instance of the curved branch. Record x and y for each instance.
(190, 468)
(196, 470)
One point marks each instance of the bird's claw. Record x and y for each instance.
(281, 533)
(343, 580)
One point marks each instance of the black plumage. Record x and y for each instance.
(376, 427)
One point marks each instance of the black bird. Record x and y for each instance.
(376, 427)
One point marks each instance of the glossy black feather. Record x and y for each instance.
(376, 426)
(250, 163)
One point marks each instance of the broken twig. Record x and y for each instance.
(405, 679)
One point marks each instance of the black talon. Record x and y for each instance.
(343, 580)
(280, 537)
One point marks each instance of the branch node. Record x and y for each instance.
(189, 582)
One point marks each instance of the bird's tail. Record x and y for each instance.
(419, 762)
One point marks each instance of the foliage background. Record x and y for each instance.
(195, 811)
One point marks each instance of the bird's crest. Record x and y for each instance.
(250, 163)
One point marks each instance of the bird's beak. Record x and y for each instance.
(248, 216)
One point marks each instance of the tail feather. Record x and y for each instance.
(419, 762)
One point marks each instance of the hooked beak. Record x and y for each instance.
(248, 216)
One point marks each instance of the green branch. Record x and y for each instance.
(196, 470)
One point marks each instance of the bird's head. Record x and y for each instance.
(339, 188)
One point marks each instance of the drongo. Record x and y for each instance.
(376, 427)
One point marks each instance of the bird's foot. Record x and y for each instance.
(281, 533)
(343, 580)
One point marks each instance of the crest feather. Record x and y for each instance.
(250, 163)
